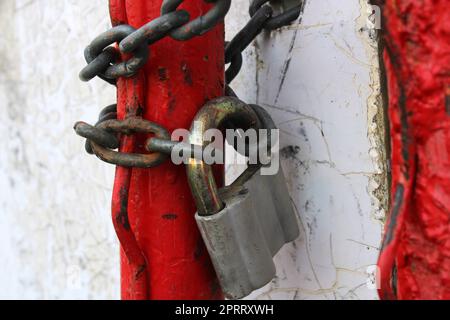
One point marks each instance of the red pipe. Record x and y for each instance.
(415, 258)
(177, 80)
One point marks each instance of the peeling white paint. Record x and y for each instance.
(319, 79)
(378, 184)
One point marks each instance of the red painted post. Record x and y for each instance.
(178, 79)
(415, 258)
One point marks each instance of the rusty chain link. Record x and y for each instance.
(277, 21)
(101, 58)
(262, 18)
(102, 141)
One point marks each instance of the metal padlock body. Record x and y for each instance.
(243, 238)
(243, 225)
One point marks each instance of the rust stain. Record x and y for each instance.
(170, 216)
(162, 74)
(172, 102)
(186, 74)
(122, 215)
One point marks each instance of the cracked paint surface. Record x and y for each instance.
(319, 79)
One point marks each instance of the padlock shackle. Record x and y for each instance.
(215, 114)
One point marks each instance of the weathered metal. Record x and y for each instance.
(244, 236)
(243, 225)
(279, 20)
(234, 68)
(248, 33)
(261, 18)
(234, 48)
(97, 135)
(129, 126)
(101, 58)
(185, 150)
(108, 113)
(98, 65)
(214, 115)
(154, 30)
(98, 46)
(199, 25)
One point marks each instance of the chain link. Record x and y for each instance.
(200, 25)
(280, 20)
(261, 19)
(101, 57)
(108, 113)
(102, 140)
(175, 23)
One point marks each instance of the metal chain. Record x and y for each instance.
(101, 57)
(103, 138)
(261, 19)
(280, 20)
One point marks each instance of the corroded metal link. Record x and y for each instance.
(277, 21)
(234, 68)
(96, 135)
(168, 146)
(108, 110)
(234, 48)
(244, 37)
(100, 57)
(99, 65)
(261, 18)
(200, 25)
(154, 30)
(283, 19)
(108, 113)
(125, 68)
(130, 126)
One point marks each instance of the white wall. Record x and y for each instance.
(319, 79)
(56, 237)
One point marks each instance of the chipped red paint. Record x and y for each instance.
(178, 79)
(415, 259)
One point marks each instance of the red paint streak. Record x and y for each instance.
(415, 263)
(178, 265)
(129, 105)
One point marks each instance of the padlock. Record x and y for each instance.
(245, 224)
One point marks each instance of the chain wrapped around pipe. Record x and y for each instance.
(101, 57)
(102, 139)
(121, 52)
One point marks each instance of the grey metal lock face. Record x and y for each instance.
(243, 225)
(242, 239)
